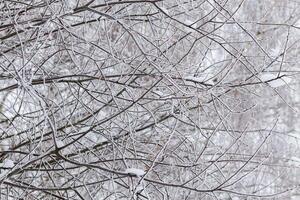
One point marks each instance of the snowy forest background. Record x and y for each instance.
(149, 99)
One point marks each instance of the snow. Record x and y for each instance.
(199, 80)
(101, 139)
(4, 145)
(135, 171)
(193, 78)
(85, 129)
(59, 143)
(159, 93)
(102, 114)
(71, 4)
(213, 57)
(297, 24)
(139, 188)
(277, 50)
(165, 10)
(296, 159)
(7, 164)
(277, 82)
(267, 77)
(295, 135)
(295, 197)
(191, 23)
(3, 174)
